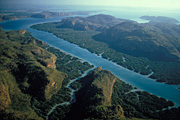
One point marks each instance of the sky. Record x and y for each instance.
(132, 3)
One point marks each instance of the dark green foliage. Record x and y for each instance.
(60, 113)
(168, 72)
(76, 85)
(25, 77)
(68, 64)
(155, 41)
(37, 81)
(90, 98)
(43, 107)
(141, 104)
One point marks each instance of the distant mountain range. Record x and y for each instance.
(4, 16)
(97, 22)
(48, 14)
(160, 19)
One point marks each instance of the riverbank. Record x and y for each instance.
(137, 80)
(124, 74)
(164, 71)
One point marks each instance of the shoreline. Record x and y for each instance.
(148, 75)
(176, 105)
(73, 97)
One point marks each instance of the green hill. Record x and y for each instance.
(97, 22)
(101, 95)
(94, 97)
(156, 41)
(31, 84)
(149, 47)
(27, 71)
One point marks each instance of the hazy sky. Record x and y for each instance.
(135, 3)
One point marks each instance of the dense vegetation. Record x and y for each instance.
(164, 71)
(141, 104)
(94, 98)
(30, 83)
(155, 41)
(34, 78)
(101, 95)
(20, 70)
(97, 22)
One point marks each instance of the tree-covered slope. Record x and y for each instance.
(27, 71)
(94, 97)
(97, 22)
(33, 76)
(156, 41)
(101, 95)
(152, 49)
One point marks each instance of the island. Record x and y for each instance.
(48, 14)
(15, 15)
(160, 19)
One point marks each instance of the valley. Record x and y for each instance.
(140, 45)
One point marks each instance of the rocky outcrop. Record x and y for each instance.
(94, 98)
(22, 32)
(27, 72)
(104, 80)
(4, 95)
(45, 58)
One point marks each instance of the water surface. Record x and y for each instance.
(142, 82)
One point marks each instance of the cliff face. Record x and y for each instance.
(4, 95)
(94, 98)
(45, 58)
(104, 80)
(26, 71)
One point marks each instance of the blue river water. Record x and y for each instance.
(169, 92)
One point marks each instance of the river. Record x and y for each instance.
(169, 92)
